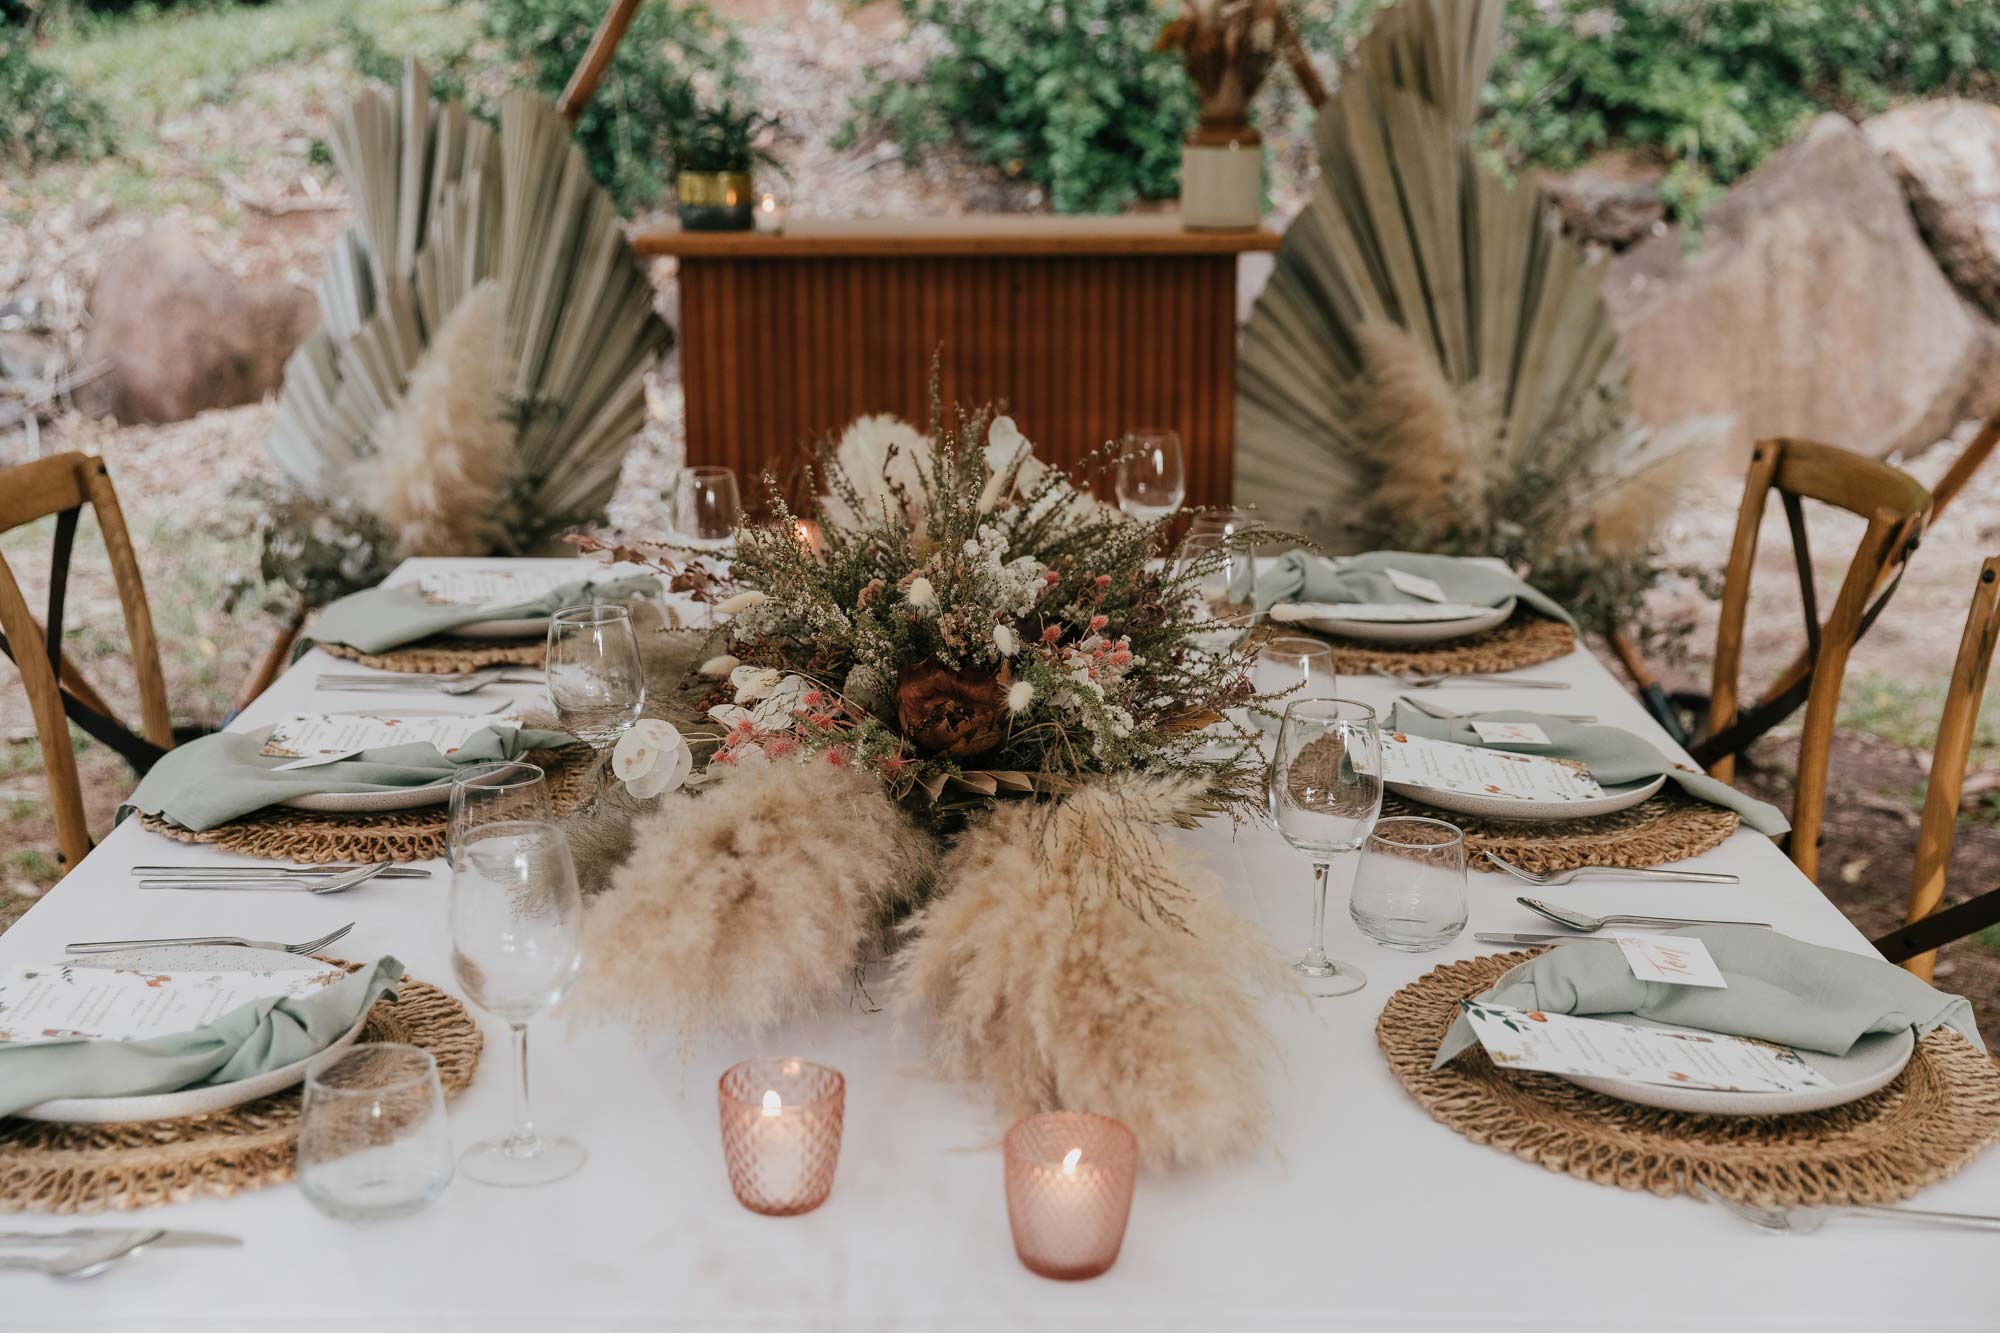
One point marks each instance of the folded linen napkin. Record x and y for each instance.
(253, 1038)
(1780, 989)
(218, 778)
(1612, 755)
(375, 620)
(1300, 576)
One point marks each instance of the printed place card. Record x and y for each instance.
(1419, 761)
(1510, 733)
(1416, 585)
(311, 739)
(1678, 960)
(489, 587)
(62, 1002)
(1671, 1057)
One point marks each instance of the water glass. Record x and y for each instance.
(516, 947)
(595, 682)
(1326, 792)
(499, 793)
(1409, 888)
(707, 507)
(373, 1143)
(1151, 480)
(1292, 668)
(1223, 572)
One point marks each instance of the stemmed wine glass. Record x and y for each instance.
(516, 943)
(1151, 480)
(707, 507)
(1326, 793)
(595, 682)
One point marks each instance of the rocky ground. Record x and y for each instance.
(231, 165)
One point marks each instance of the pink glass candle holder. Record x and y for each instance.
(1069, 1191)
(781, 1133)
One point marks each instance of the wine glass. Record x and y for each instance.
(1326, 792)
(1409, 887)
(373, 1144)
(1224, 575)
(516, 945)
(502, 792)
(594, 680)
(1151, 483)
(707, 507)
(1292, 668)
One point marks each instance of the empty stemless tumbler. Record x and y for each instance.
(373, 1143)
(1409, 889)
(1069, 1191)
(707, 507)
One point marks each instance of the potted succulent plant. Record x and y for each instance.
(713, 153)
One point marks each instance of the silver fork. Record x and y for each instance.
(338, 884)
(1547, 881)
(1415, 682)
(477, 680)
(114, 946)
(87, 1260)
(1803, 1221)
(1444, 716)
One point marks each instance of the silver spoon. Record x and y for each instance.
(1583, 921)
(1546, 881)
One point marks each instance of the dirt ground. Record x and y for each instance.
(237, 170)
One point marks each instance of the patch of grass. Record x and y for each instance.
(1907, 714)
(35, 864)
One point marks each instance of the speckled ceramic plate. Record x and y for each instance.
(1621, 797)
(1324, 617)
(206, 1097)
(1872, 1065)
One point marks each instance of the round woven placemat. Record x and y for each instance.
(1525, 640)
(442, 654)
(1930, 1122)
(48, 1168)
(281, 834)
(1671, 826)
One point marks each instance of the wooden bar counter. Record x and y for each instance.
(1087, 327)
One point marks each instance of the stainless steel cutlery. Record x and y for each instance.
(294, 883)
(390, 871)
(1443, 715)
(1584, 921)
(119, 946)
(88, 1251)
(1547, 881)
(436, 684)
(1804, 1220)
(1410, 680)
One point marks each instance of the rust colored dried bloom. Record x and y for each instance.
(954, 714)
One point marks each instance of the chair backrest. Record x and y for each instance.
(57, 692)
(1896, 507)
(1953, 752)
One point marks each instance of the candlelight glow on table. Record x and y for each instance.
(781, 1123)
(1069, 1191)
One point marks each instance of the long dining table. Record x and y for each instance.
(1360, 1213)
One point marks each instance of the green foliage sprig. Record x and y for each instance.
(43, 118)
(720, 138)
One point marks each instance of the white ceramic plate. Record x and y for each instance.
(1872, 1065)
(533, 628)
(372, 802)
(1322, 616)
(1621, 797)
(206, 1097)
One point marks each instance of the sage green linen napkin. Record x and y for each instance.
(1300, 576)
(378, 619)
(251, 1039)
(1780, 989)
(218, 778)
(1612, 755)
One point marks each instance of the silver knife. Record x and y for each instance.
(1501, 937)
(166, 1239)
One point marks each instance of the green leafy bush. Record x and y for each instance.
(1710, 87)
(42, 117)
(648, 93)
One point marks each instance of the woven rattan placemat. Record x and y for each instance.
(1671, 826)
(443, 654)
(48, 1168)
(1923, 1127)
(281, 834)
(1525, 640)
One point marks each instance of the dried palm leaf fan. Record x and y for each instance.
(1432, 363)
(493, 430)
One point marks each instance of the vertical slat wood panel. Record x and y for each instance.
(778, 352)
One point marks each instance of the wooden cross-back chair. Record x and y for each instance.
(1896, 507)
(1915, 945)
(58, 693)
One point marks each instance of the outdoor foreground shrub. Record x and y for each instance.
(42, 117)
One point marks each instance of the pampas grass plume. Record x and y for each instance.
(1425, 435)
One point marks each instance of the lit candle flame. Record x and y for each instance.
(770, 202)
(772, 1103)
(1070, 1159)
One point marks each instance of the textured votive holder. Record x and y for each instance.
(1069, 1191)
(781, 1133)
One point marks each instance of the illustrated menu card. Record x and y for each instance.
(321, 738)
(61, 1002)
(488, 587)
(1473, 771)
(1671, 1057)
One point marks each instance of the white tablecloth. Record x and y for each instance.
(1365, 1215)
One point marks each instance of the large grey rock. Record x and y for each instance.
(174, 335)
(1811, 308)
(1947, 154)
